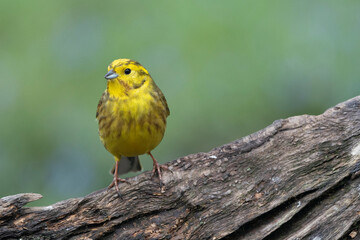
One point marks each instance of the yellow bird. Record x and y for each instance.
(132, 116)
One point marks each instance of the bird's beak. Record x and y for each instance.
(111, 74)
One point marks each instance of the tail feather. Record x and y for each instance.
(127, 164)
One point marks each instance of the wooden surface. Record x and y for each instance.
(295, 179)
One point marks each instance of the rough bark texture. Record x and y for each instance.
(295, 179)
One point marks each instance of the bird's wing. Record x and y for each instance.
(163, 100)
(102, 100)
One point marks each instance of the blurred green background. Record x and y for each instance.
(227, 69)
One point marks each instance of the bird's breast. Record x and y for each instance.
(131, 126)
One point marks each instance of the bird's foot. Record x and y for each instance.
(115, 182)
(157, 170)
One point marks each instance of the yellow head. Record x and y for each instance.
(126, 77)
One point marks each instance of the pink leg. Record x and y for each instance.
(116, 179)
(157, 168)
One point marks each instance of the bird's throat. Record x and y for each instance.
(118, 88)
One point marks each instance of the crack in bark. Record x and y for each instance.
(263, 219)
(288, 227)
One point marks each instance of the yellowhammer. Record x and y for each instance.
(132, 117)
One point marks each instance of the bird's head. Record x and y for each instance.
(126, 77)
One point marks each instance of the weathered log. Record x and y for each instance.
(295, 179)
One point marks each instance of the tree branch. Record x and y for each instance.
(297, 178)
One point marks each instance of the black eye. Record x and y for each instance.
(127, 71)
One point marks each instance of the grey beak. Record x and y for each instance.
(111, 74)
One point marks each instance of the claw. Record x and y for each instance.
(157, 169)
(116, 180)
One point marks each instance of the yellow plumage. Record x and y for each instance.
(131, 113)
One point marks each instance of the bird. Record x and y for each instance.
(131, 116)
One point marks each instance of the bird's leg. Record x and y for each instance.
(157, 168)
(116, 179)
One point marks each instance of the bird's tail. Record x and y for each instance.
(127, 164)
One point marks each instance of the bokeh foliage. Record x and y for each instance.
(227, 69)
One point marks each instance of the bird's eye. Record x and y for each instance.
(127, 71)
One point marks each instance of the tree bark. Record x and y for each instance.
(295, 179)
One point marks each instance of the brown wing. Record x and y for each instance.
(102, 100)
(163, 100)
